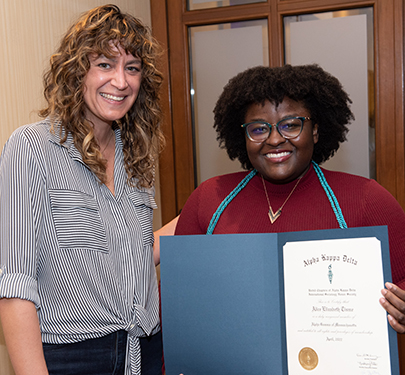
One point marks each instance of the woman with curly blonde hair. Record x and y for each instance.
(100, 32)
(78, 291)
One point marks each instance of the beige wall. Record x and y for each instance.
(30, 31)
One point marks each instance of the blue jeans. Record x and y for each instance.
(102, 356)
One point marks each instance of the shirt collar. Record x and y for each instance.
(57, 133)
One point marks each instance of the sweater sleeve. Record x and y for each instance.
(189, 222)
(381, 208)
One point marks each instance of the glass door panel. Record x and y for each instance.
(343, 44)
(204, 4)
(217, 53)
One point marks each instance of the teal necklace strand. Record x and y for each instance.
(228, 200)
(329, 193)
(331, 196)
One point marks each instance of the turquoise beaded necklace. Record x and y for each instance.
(329, 192)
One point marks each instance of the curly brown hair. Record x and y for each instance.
(320, 92)
(64, 90)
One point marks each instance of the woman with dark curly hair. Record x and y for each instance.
(280, 123)
(78, 290)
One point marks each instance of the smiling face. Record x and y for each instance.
(277, 159)
(111, 86)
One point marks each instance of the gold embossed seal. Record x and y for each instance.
(308, 358)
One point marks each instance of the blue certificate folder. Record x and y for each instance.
(223, 301)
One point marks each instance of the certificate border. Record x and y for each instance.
(379, 232)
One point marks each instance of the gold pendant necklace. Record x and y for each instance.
(274, 216)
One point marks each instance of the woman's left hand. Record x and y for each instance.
(167, 230)
(393, 301)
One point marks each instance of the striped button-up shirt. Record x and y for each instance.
(81, 254)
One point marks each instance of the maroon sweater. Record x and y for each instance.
(363, 202)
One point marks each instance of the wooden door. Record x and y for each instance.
(171, 21)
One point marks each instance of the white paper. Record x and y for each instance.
(335, 286)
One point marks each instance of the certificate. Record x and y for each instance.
(283, 304)
(334, 285)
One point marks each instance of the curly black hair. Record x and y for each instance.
(320, 92)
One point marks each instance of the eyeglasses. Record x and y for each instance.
(289, 128)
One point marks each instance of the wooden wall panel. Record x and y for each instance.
(167, 174)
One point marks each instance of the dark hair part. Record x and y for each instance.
(100, 31)
(320, 92)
